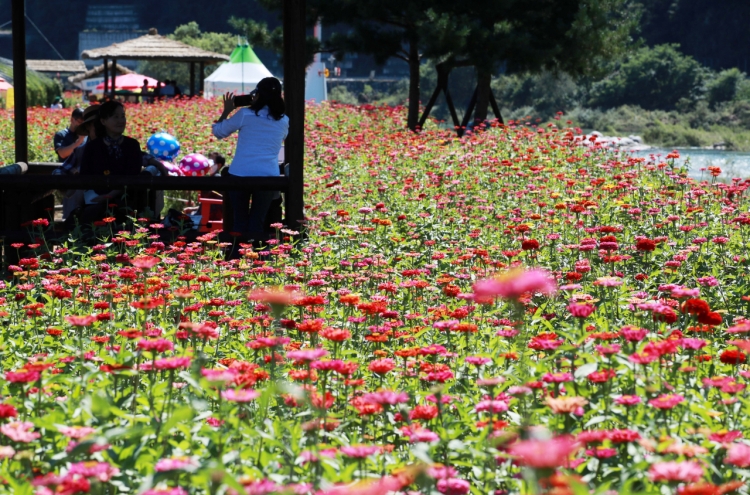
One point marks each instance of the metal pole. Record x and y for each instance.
(294, 93)
(18, 17)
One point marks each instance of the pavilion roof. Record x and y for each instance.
(56, 65)
(96, 71)
(154, 47)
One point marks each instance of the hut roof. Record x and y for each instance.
(96, 71)
(154, 47)
(56, 65)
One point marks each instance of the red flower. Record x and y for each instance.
(710, 318)
(733, 356)
(695, 307)
(423, 412)
(382, 366)
(530, 244)
(645, 245)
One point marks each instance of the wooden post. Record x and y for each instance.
(18, 17)
(192, 79)
(294, 94)
(469, 111)
(114, 77)
(106, 78)
(201, 82)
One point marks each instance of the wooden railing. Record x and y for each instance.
(24, 197)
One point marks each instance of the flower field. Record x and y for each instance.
(515, 312)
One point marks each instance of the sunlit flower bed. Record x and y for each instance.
(514, 312)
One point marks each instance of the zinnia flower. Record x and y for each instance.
(686, 471)
(544, 453)
(513, 284)
(738, 455)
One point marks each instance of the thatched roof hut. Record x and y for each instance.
(97, 71)
(155, 47)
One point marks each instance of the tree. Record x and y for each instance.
(190, 34)
(382, 29)
(385, 29)
(652, 78)
(572, 36)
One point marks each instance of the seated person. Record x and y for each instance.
(112, 153)
(73, 198)
(66, 141)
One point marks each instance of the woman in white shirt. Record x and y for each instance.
(262, 129)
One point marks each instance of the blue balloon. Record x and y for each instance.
(163, 146)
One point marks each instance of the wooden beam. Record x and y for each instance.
(201, 76)
(18, 17)
(192, 78)
(114, 77)
(496, 108)
(106, 78)
(15, 183)
(294, 93)
(469, 111)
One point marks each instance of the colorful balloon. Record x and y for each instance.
(195, 165)
(163, 146)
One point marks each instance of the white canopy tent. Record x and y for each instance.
(240, 75)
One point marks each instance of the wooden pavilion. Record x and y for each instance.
(17, 191)
(112, 68)
(156, 48)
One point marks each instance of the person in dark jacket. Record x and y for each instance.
(112, 153)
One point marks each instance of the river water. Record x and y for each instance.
(732, 163)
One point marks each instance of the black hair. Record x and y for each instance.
(77, 113)
(106, 110)
(269, 95)
(219, 159)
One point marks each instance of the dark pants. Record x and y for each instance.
(249, 220)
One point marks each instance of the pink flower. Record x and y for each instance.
(174, 463)
(307, 354)
(157, 345)
(359, 451)
(514, 283)
(6, 452)
(544, 453)
(172, 363)
(666, 401)
(743, 327)
(453, 486)
(628, 400)
(22, 376)
(581, 310)
(220, 376)
(243, 395)
(738, 455)
(102, 471)
(386, 397)
(81, 321)
(19, 431)
(494, 406)
(687, 471)
(145, 262)
(387, 484)
(76, 432)
(166, 491)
